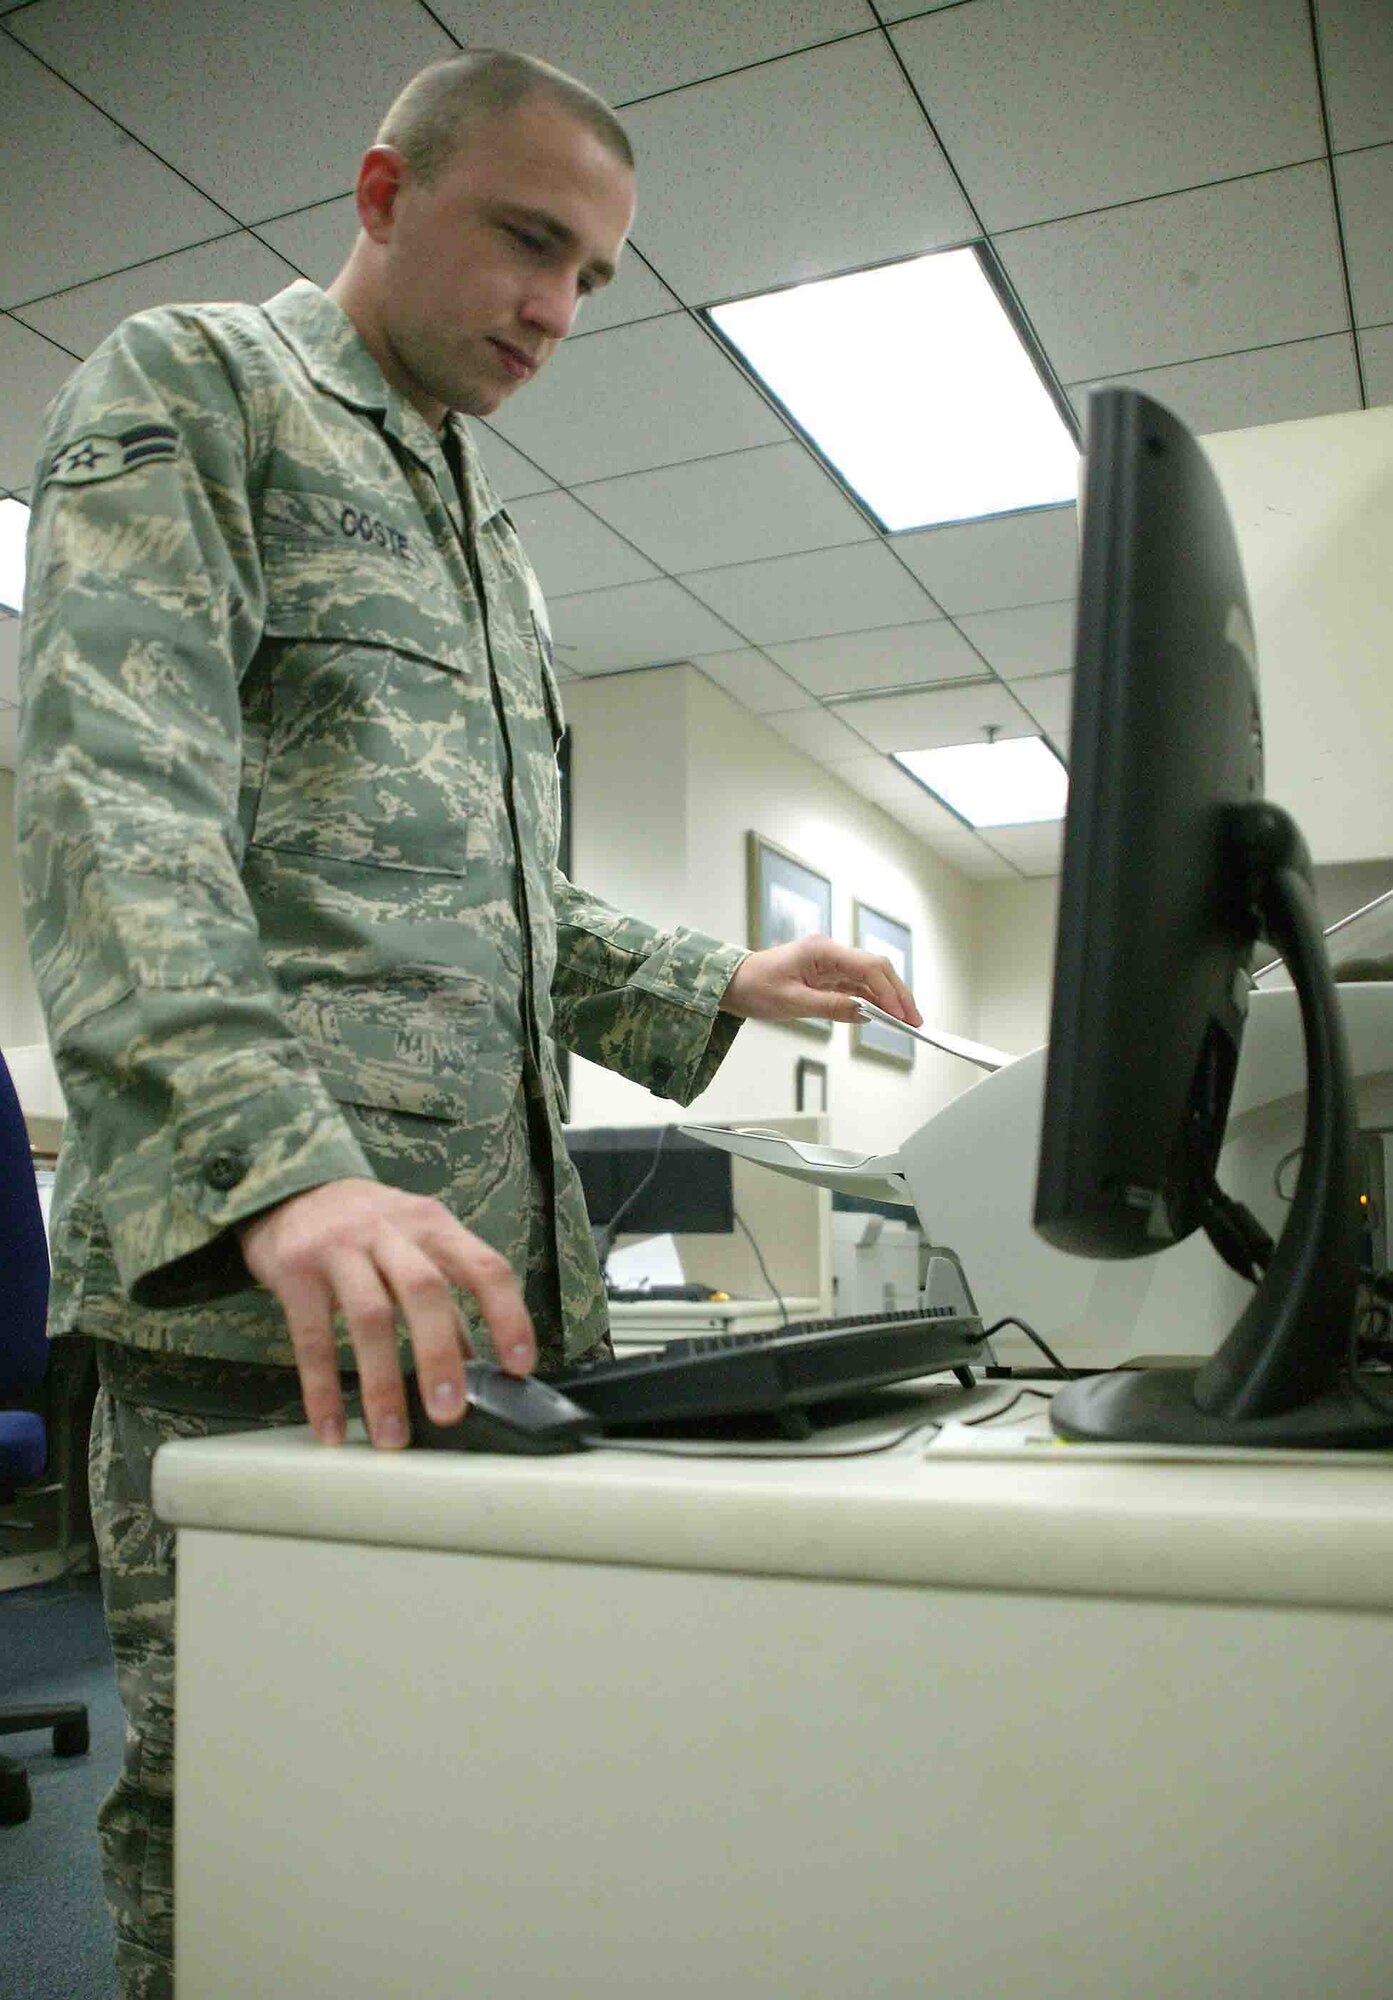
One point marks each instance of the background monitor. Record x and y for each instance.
(689, 1195)
(1173, 867)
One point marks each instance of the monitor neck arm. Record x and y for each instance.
(1291, 1341)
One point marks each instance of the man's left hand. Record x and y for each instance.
(816, 978)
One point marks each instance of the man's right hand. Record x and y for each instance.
(373, 1252)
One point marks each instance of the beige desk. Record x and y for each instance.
(1042, 1725)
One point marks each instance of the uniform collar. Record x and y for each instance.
(333, 355)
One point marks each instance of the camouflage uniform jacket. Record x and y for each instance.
(288, 818)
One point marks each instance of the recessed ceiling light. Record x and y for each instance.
(1015, 782)
(14, 527)
(912, 382)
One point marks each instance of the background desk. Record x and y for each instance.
(651, 1322)
(606, 1726)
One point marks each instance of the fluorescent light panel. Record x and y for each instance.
(1015, 782)
(913, 383)
(14, 527)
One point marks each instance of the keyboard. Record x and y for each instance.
(789, 1367)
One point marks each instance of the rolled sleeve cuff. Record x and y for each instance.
(172, 1207)
(652, 1009)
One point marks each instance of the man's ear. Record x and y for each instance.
(381, 177)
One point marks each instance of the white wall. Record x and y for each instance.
(1013, 959)
(1312, 505)
(733, 773)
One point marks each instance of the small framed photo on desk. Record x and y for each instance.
(873, 931)
(788, 900)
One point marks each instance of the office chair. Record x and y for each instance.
(23, 1433)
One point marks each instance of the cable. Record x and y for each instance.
(602, 1443)
(1031, 1334)
(973, 1423)
(1279, 1170)
(764, 1269)
(611, 1228)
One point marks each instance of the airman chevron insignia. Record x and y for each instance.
(105, 455)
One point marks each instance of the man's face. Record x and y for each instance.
(478, 275)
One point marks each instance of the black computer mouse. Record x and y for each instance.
(504, 1413)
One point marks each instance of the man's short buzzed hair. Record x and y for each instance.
(432, 115)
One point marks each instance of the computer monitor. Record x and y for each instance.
(1174, 867)
(690, 1194)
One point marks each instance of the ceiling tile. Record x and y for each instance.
(1049, 699)
(510, 474)
(992, 565)
(1365, 182)
(830, 591)
(640, 46)
(754, 681)
(929, 819)
(637, 625)
(1034, 850)
(1356, 52)
(1047, 108)
(233, 267)
(204, 86)
(316, 240)
(817, 733)
(33, 370)
(572, 551)
(1183, 276)
(1035, 639)
(9, 657)
(1269, 385)
(797, 169)
(772, 502)
(865, 662)
(875, 777)
(9, 738)
(654, 394)
(1376, 352)
(901, 10)
(954, 843)
(935, 717)
(100, 202)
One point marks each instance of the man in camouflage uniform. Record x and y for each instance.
(288, 826)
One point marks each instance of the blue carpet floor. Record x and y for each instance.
(55, 1935)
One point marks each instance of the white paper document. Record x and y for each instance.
(654, 1261)
(939, 1038)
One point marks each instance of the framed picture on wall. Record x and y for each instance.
(873, 931)
(809, 1085)
(787, 900)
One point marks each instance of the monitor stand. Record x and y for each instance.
(1281, 1379)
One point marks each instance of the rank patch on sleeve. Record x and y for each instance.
(104, 455)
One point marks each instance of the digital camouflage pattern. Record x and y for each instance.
(288, 816)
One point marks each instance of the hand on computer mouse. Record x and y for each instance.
(504, 1413)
